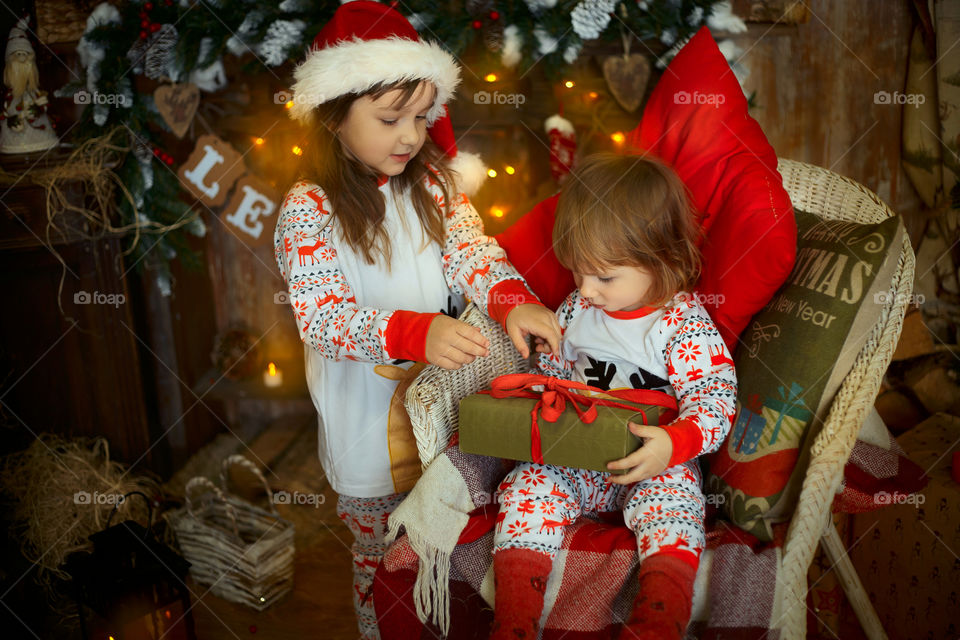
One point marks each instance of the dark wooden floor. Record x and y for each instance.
(320, 604)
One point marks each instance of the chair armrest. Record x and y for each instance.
(832, 446)
(433, 398)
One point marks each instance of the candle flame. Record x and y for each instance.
(272, 369)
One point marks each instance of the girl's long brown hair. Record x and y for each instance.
(358, 205)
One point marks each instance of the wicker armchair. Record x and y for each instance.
(433, 398)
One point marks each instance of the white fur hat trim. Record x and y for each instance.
(354, 66)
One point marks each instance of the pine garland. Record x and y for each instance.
(131, 41)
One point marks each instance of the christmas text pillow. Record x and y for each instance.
(794, 357)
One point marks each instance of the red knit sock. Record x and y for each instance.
(662, 608)
(521, 579)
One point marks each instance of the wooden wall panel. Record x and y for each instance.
(245, 282)
(815, 87)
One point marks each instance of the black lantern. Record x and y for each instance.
(132, 587)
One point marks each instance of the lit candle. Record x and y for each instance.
(272, 377)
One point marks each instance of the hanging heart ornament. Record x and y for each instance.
(177, 104)
(627, 77)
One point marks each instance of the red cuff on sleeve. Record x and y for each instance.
(506, 295)
(687, 441)
(406, 335)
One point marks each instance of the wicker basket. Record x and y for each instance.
(242, 552)
(433, 400)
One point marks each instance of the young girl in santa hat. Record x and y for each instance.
(376, 243)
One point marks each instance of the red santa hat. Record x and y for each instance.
(367, 44)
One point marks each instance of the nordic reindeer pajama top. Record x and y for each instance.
(364, 326)
(676, 349)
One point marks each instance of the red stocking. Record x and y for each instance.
(662, 608)
(563, 146)
(521, 580)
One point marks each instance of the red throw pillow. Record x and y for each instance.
(529, 245)
(696, 120)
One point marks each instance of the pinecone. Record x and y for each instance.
(283, 37)
(591, 17)
(159, 56)
(493, 36)
(141, 150)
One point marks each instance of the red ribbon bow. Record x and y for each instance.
(552, 401)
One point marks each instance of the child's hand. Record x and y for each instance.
(536, 319)
(452, 343)
(542, 346)
(649, 460)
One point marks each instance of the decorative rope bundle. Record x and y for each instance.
(90, 165)
(62, 492)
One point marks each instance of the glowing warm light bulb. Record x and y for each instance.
(593, 94)
(490, 77)
(568, 84)
(492, 173)
(288, 105)
(259, 141)
(618, 137)
(510, 170)
(496, 212)
(297, 151)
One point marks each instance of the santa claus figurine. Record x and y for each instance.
(24, 125)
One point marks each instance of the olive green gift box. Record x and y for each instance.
(502, 427)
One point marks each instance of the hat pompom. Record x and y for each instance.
(471, 171)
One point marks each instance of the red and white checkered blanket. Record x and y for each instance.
(436, 579)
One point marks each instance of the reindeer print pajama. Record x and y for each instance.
(363, 327)
(353, 316)
(676, 349)
(367, 520)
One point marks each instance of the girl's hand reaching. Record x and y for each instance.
(526, 319)
(452, 343)
(649, 460)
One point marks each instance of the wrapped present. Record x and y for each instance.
(786, 412)
(547, 420)
(749, 425)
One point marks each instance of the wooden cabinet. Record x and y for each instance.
(109, 362)
(74, 371)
